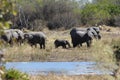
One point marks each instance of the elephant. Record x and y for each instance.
(62, 43)
(20, 36)
(95, 31)
(11, 35)
(34, 38)
(78, 37)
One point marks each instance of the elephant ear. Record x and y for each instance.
(90, 34)
(94, 31)
(28, 36)
(97, 29)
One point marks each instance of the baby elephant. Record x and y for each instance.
(62, 43)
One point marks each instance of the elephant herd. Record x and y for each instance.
(78, 37)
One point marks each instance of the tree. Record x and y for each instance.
(100, 12)
(6, 9)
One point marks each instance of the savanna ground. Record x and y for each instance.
(100, 51)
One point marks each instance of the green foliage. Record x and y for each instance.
(45, 11)
(100, 12)
(13, 74)
(93, 14)
(116, 47)
(33, 12)
(6, 8)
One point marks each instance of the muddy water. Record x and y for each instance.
(64, 68)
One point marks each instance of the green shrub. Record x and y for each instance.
(13, 74)
(116, 47)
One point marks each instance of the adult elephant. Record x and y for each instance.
(8, 36)
(78, 37)
(35, 38)
(20, 33)
(95, 32)
(11, 35)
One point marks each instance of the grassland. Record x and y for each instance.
(81, 77)
(101, 51)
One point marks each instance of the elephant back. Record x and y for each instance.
(31, 35)
(41, 34)
(20, 33)
(77, 31)
(92, 31)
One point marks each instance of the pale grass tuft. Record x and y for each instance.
(102, 52)
(65, 77)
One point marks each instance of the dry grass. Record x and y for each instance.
(100, 50)
(81, 77)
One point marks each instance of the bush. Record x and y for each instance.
(66, 21)
(116, 47)
(33, 15)
(117, 21)
(13, 74)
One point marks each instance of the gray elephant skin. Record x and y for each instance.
(9, 35)
(95, 32)
(78, 37)
(34, 38)
(63, 43)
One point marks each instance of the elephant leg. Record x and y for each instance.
(43, 46)
(75, 44)
(58, 45)
(42, 43)
(88, 43)
(81, 44)
(40, 46)
(35, 45)
(64, 46)
(31, 45)
(11, 43)
(20, 42)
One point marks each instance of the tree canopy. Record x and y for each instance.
(6, 9)
(54, 14)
